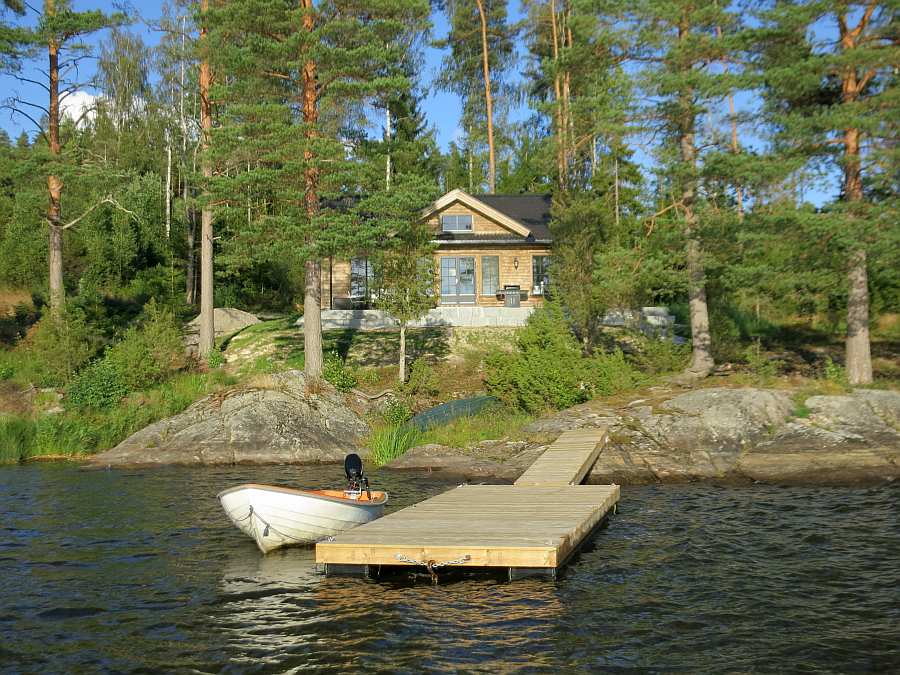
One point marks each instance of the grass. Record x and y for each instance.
(490, 424)
(16, 437)
(77, 433)
(390, 442)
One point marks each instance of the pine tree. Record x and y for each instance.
(677, 41)
(830, 70)
(481, 52)
(58, 37)
(293, 76)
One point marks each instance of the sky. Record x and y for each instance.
(442, 109)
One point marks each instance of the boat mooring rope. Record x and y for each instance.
(432, 565)
(268, 525)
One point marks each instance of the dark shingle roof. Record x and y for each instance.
(486, 237)
(533, 211)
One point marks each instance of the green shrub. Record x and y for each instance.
(396, 412)
(760, 364)
(611, 373)
(387, 443)
(58, 348)
(151, 352)
(800, 408)
(338, 373)
(16, 439)
(422, 379)
(659, 357)
(6, 372)
(98, 386)
(368, 376)
(214, 359)
(547, 370)
(835, 372)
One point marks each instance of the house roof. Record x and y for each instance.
(532, 211)
(487, 238)
(525, 215)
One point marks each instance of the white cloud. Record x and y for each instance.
(79, 106)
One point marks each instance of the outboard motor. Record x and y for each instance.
(356, 477)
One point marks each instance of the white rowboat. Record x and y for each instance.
(278, 516)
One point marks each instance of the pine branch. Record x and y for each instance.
(106, 200)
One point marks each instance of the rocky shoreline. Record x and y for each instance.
(718, 434)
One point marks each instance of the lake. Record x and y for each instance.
(140, 570)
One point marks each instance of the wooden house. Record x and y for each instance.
(491, 251)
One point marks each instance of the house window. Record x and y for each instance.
(362, 278)
(490, 274)
(457, 280)
(453, 223)
(540, 274)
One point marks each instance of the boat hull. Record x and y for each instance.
(275, 516)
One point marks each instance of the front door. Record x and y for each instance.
(457, 280)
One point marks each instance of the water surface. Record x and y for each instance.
(139, 570)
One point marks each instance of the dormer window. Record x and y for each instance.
(456, 223)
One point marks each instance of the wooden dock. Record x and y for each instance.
(531, 527)
(567, 461)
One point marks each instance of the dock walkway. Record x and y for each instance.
(531, 527)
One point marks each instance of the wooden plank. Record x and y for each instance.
(494, 525)
(568, 460)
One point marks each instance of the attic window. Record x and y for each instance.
(460, 223)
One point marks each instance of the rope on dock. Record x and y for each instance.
(432, 565)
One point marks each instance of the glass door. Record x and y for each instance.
(457, 280)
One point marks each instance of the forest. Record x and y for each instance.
(736, 162)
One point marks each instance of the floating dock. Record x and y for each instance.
(531, 527)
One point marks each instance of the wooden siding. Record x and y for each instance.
(336, 273)
(480, 224)
(509, 274)
(336, 285)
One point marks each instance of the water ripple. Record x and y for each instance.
(686, 578)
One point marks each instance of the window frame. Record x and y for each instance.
(445, 217)
(365, 279)
(484, 275)
(539, 287)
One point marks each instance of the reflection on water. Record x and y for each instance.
(124, 570)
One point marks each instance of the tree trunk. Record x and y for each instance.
(54, 183)
(168, 185)
(858, 354)
(735, 146)
(488, 97)
(312, 295)
(402, 371)
(387, 138)
(207, 291)
(190, 271)
(567, 88)
(312, 321)
(701, 342)
(561, 161)
(859, 357)
(858, 350)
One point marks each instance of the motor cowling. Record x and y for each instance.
(356, 476)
